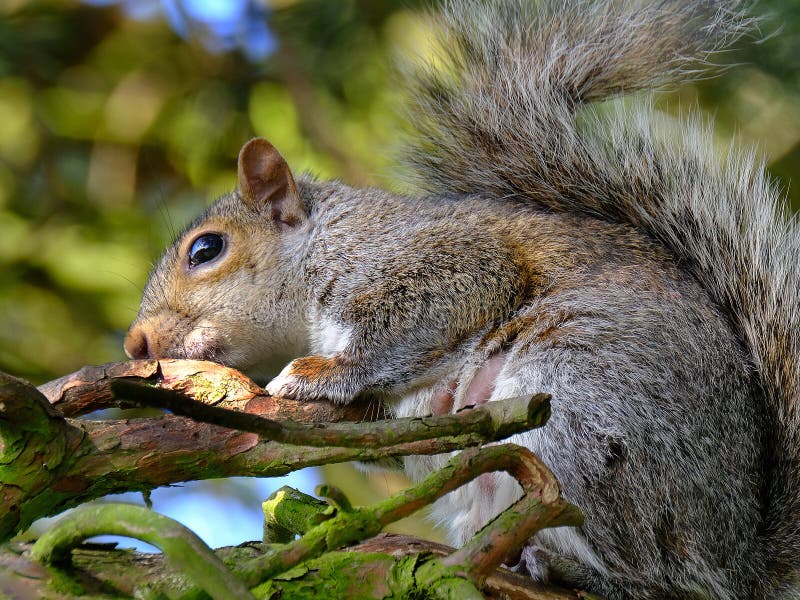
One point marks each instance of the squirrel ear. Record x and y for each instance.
(265, 182)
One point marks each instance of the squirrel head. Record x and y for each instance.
(229, 288)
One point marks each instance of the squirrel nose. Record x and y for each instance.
(136, 343)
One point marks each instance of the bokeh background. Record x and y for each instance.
(121, 119)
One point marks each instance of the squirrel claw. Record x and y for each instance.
(285, 384)
(310, 378)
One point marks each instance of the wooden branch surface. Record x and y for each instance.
(500, 584)
(89, 389)
(322, 529)
(94, 458)
(84, 459)
(99, 571)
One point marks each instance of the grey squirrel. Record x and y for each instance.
(566, 245)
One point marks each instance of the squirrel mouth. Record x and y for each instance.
(201, 349)
(202, 342)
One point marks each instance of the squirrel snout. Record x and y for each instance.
(165, 336)
(136, 343)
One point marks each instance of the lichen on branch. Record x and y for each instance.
(84, 459)
(52, 461)
(325, 528)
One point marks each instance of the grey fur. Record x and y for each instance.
(509, 121)
(582, 250)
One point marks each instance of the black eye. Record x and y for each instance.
(205, 248)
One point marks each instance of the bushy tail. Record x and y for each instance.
(502, 115)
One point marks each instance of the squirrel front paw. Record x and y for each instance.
(284, 385)
(313, 378)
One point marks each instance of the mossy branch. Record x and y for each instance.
(380, 566)
(181, 546)
(491, 421)
(336, 525)
(540, 506)
(85, 460)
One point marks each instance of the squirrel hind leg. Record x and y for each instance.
(454, 394)
(480, 387)
(549, 567)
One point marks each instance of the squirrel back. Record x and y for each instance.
(510, 115)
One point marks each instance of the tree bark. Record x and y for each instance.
(99, 571)
(50, 460)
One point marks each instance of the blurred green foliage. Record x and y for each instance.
(115, 130)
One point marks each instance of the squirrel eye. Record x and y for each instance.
(205, 248)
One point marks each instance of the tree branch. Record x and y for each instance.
(100, 572)
(489, 421)
(85, 460)
(34, 441)
(89, 389)
(541, 506)
(181, 546)
(500, 584)
(338, 525)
